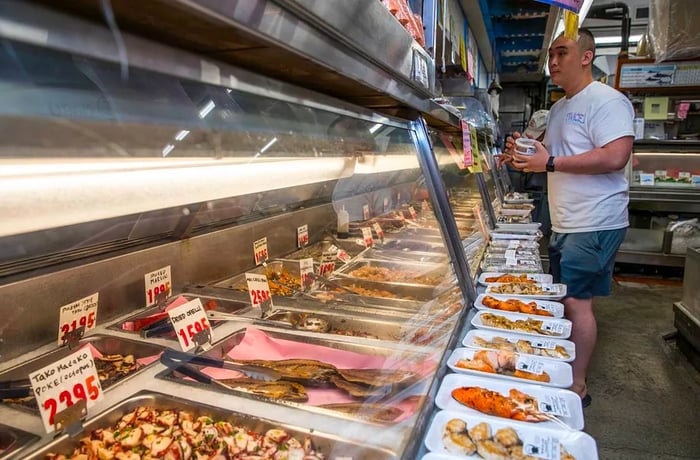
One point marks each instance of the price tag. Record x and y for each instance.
(385, 206)
(684, 175)
(158, 285)
(60, 385)
(544, 447)
(660, 173)
(191, 324)
(646, 179)
(513, 244)
(327, 262)
(365, 211)
(555, 405)
(545, 344)
(259, 291)
(79, 314)
(510, 253)
(511, 261)
(302, 236)
(306, 267)
(260, 250)
(466, 143)
(551, 326)
(532, 366)
(378, 230)
(412, 212)
(343, 256)
(367, 236)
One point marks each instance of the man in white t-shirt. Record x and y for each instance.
(588, 143)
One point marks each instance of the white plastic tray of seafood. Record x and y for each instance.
(489, 278)
(505, 303)
(545, 291)
(538, 405)
(507, 365)
(508, 235)
(515, 226)
(476, 437)
(539, 326)
(513, 244)
(560, 350)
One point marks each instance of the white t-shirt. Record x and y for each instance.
(594, 117)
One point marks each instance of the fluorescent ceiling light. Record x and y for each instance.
(374, 128)
(268, 145)
(181, 135)
(206, 109)
(616, 40)
(167, 149)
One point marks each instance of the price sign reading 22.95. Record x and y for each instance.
(158, 285)
(191, 324)
(81, 313)
(61, 384)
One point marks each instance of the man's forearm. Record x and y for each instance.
(597, 161)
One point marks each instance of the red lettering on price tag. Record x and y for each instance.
(412, 212)
(365, 211)
(81, 313)
(327, 262)
(61, 384)
(367, 236)
(158, 285)
(302, 236)
(378, 230)
(260, 250)
(190, 323)
(306, 268)
(258, 289)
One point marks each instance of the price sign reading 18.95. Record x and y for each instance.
(61, 384)
(191, 324)
(260, 250)
(302, 236)
(158, 285)
(81, 313)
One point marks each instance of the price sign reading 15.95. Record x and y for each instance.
(158, 285)
(191, 324)
(81, 313)
(303, 236)
(61, 384)
(260, 250)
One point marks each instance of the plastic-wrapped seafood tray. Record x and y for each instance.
(331, 446)
(553, 328)
(105, 344)
(14, 441)
(503, 245)
(558, 349)
(520, 266)
(538, 277)
(546, 291)
(552, 442)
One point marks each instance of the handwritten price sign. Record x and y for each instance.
(191, 324)
(260, 250)
(367, 237)
(61, 384)
(158, 285)
(259, 291)
(412, 212)
(306, 268)
(327, 262)
(302, 236)
(365, 211)
(378, 230)
(81, 313)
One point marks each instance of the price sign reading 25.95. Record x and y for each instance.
(259, 290)
(61, 384)
(81, 313)
(191, 324)
(158, 285)
(260, 250)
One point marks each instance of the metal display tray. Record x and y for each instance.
(438, 271)
(410, 355)
(416, 244)
(105, 344)
(316, 250)
(14, 441)
(404, 256)
(323, 442)
(238, 282)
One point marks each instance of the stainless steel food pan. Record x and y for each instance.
(273, 270)
(13, 442)
(416, 273)
(331, 445)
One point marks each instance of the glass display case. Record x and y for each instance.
(112, 172)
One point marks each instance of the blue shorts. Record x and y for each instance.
(585, 261)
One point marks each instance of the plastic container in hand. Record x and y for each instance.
(525, 146)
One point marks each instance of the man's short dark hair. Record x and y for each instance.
(586, 41)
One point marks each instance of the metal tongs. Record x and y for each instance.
(182, 362)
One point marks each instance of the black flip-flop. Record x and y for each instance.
(586, 400)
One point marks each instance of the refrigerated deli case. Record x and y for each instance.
(111, 173)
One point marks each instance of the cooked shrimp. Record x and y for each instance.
(480, 432)
(507, 437)
(491, 450)
(455, 438)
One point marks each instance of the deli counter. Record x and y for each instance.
(130, 194)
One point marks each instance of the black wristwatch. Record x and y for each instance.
(550, 164)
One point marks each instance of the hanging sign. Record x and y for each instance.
(466, 143)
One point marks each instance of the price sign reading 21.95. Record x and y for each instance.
(191, 324)
(61, 384)
(81, 313)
